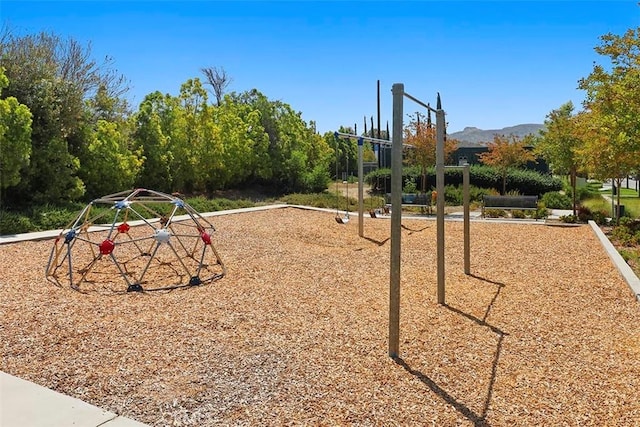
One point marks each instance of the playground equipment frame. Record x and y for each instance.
(396, 210)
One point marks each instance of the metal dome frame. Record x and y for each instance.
(134, 241)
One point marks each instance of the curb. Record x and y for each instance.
(25, 403)
(627, 273)
(52, 234)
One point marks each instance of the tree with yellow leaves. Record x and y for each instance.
(420, 134)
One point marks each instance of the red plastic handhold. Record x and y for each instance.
(106, 247)
(124, 228)
(206, 238)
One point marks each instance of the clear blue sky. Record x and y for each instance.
(494, 63)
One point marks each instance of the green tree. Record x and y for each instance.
(15, 138)
(612, 106)
(506, 153)
(241, 146)
(293, 148)
(344, 153)
(153, 142)
(559, 144)
(110, 166)
(54, 78)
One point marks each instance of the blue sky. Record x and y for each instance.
(495, 63)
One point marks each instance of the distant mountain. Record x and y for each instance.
(471, 136)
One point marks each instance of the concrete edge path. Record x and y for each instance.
(625, 271)
(25, 404)
(52, 234)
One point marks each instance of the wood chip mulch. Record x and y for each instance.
(544, 331)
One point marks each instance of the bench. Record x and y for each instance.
(510, 203)
(422, 201)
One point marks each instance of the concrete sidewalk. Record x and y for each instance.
(25, 404)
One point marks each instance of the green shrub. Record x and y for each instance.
(410, 186)
(495, 213)
(627, 232)
(14, 223)
(476, 193)
(630, 223)
(531, 182)
(569, 219)
(583, 193)
(199, 203)
(584, 213)
(317, 180)
(525, 181)
(600, 217)
(453, 195)
(50, 218)
(557, 200)
(518, 213)
(630, 256)
(541, 212)
(623, 236)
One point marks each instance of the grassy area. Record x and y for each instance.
(631, 206)
(628, 197)
(628, 192)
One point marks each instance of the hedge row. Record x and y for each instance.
(523, 181)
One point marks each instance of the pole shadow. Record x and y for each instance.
(478, 419)
(377, 242)
(495, 296)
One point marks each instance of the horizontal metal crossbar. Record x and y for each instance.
(368, 138)
(417, 101)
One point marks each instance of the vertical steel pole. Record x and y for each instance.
(440, 124)
(396, 221)
(360, 189)
(467, 239)
(378, 109)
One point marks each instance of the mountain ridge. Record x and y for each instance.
(473, 136)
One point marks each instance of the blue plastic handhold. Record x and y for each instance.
(71, 234)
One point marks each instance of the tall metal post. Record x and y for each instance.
(466, 200)
(440, 133)
(378, 109)
(396, 221)
(360, 189)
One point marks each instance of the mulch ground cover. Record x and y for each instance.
(544, 331)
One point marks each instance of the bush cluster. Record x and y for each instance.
(454, 195)
(627, 233)
(528, 182)
(49, 217)
(557, 200)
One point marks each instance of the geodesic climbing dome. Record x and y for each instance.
(140, 240)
